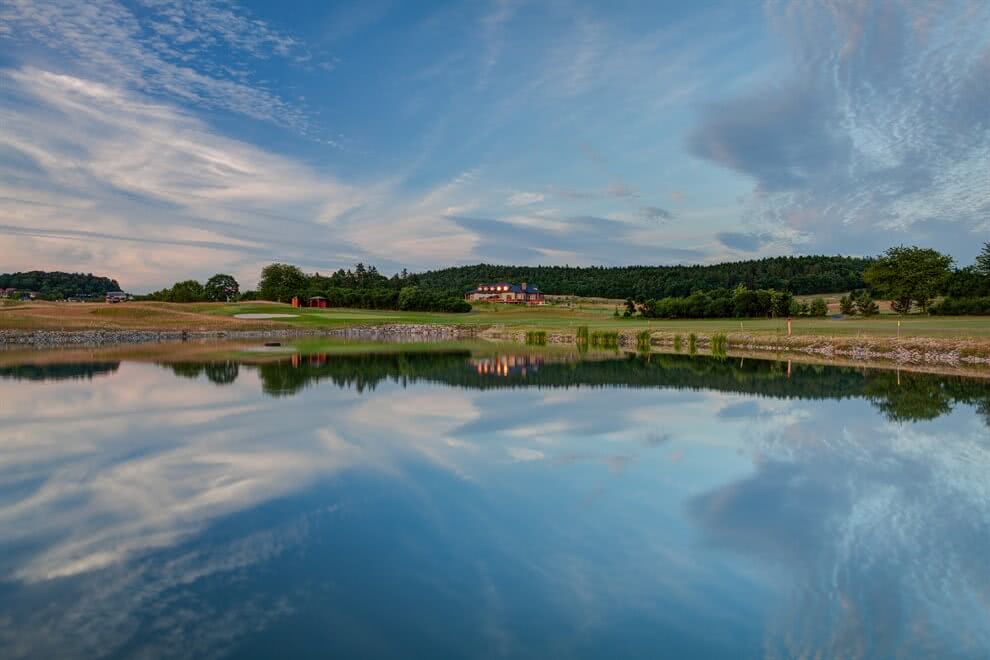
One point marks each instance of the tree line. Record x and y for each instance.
(219, 288)
(798, 275)
(913, 277)
(58, 285)
(364, 287)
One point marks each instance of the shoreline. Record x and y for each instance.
(43, 339)
(932, 355)
(893, 352)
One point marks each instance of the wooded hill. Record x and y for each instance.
(58, 284)
(798, 275)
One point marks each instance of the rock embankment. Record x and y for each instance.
(911, 350)
(397, 332)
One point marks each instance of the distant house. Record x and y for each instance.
(116, 296)
(7, 293)
(506, 292)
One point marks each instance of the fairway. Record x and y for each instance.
(600, 317)
(563, 318)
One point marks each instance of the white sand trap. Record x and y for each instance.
(265, 316)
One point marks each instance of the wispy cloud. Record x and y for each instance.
(880, 130)
(524, 198)
(163, 50)
(85, 160)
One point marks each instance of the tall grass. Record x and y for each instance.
(692, 343)
(536, 337)
(678, 343)
(605, 339)
(720, 345)
(643, 341)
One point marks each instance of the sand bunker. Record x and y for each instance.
(265, 316)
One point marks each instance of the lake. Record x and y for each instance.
(456, 501)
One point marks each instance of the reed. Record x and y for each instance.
(536, 337)
(643, 341)
(678, 343)
(692, 343)
(605, 339)
(720, 345)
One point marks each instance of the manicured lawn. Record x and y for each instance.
(601, 318)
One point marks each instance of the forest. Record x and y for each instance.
(798, 275)
(58, 285)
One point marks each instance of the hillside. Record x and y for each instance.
(799, 275)
(58, 284)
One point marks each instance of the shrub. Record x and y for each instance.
(961, 307)
(847, 305)
(818, 308)
(866, 306)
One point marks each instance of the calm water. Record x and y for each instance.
(437, 505)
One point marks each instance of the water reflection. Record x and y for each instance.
(439, 504)
(900, 396)
(58, 371)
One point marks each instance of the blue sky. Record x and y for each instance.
(158, 140)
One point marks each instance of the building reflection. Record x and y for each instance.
(507, 365)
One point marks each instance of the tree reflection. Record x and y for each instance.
(903, 397)
(58, 371)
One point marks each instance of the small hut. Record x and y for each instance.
(318, 301)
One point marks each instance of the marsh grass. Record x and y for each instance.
(643, 341)
(693, 344)
(536, 337)
(605, 339)
(678, 343)
(720, 345)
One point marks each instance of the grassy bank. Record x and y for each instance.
(562, 319)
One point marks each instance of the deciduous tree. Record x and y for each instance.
(221, 288)
(909, 274)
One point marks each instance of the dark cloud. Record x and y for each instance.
(744, 242)
(783, 137)
(879, 130)
(655, 213)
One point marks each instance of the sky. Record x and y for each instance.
(159, 140)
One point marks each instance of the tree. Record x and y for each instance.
(983, 261)
(847, 305)
(279, 282)
(901, 305)
(909, 274)
(221, 288)
(187, 291)
(818, 308)
(866, 306)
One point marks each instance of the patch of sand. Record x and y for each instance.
(258, 317)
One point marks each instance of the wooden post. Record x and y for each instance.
(788, 326)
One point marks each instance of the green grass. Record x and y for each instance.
(601, 320)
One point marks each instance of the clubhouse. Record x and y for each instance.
(506, 292)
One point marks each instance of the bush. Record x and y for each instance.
(847, 305)
(818, 308)
(961, 307)
(866, 306)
